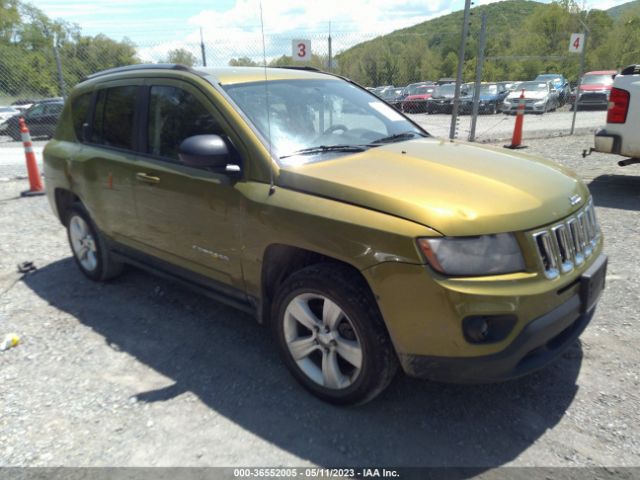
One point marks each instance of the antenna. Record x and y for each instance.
(272, 180)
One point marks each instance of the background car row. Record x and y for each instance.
(41, 116)
(547, 92)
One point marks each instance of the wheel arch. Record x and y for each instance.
(280, 262)
(63, 200)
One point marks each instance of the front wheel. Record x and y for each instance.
(331, 335)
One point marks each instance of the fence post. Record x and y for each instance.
(575, 101)
(479, 66)
(456, 98)
(56, 54)
(204, 56)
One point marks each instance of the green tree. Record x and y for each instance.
(182, 57)
(242, 62)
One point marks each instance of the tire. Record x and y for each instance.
(327, 317)
(89, 248)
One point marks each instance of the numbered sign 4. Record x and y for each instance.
(301, 50)
(576, 44)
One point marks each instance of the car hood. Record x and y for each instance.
(457, 189)
(529, 95)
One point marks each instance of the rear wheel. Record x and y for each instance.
(331, 335)
(89, 249)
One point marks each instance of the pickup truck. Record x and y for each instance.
(620, 136)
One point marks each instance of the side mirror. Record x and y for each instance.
(201, 151)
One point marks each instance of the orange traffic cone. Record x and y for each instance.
(35, 182)
(516, 139)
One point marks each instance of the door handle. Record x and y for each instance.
(143, 177)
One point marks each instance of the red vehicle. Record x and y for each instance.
(595, 88)
(416, 97)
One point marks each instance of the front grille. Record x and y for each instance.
(566, 245)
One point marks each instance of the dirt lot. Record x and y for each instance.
(142, 372)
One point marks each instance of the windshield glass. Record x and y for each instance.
(448, 89)
(419, 89)
(549, 78)
(533, 86)
(329, 116)
(603, 79)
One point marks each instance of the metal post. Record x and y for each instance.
(329, 64)
(456, 98)
(204, 55)
(479, 66)
(56, 54)
(575, 101)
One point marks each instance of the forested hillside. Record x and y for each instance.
(524, 38)
(27, 61)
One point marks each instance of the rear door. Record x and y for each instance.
(107, 159)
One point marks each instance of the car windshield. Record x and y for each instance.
(597, 79)
(448, 89)
(6, 110)
(549, 78)
(533, 86)
(419, 89)
(488, 89)
(312, 120)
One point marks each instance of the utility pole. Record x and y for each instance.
(204, 55)
(456, 99)
(479, 66)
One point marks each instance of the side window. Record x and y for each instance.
(113, 118)
(36, 111)
(174, 115)
(53, 109)
(80, 112)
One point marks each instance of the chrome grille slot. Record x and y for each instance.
(567, 244)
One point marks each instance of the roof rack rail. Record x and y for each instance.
(142, 66)
(300, 67)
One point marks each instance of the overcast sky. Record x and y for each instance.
(232, 27)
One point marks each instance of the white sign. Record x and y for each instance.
(576, 44)
(301, 50)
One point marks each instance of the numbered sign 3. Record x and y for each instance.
(576, 44)
(301, 50)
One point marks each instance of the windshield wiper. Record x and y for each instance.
(328, 148)
(398, 136)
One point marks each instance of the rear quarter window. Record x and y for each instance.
(80, 114)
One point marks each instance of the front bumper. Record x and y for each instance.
(528, 107)
(540, 342)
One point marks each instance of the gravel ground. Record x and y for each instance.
(140, 372)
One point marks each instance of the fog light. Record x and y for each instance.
(487, 328)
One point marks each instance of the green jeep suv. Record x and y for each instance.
(360, 240)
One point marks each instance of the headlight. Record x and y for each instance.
(540, 102)
(469, 256)
(506, 101)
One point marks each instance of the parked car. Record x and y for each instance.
(23, 104)
(540, 97)
(41, 118)
(620, 136)
(595, 88)
(362, 242)
(489, 101)
(441, 100)
(7, 112)
(560, 83)
(416, 97)
(393, 97)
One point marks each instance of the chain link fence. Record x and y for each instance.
(396, 65)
